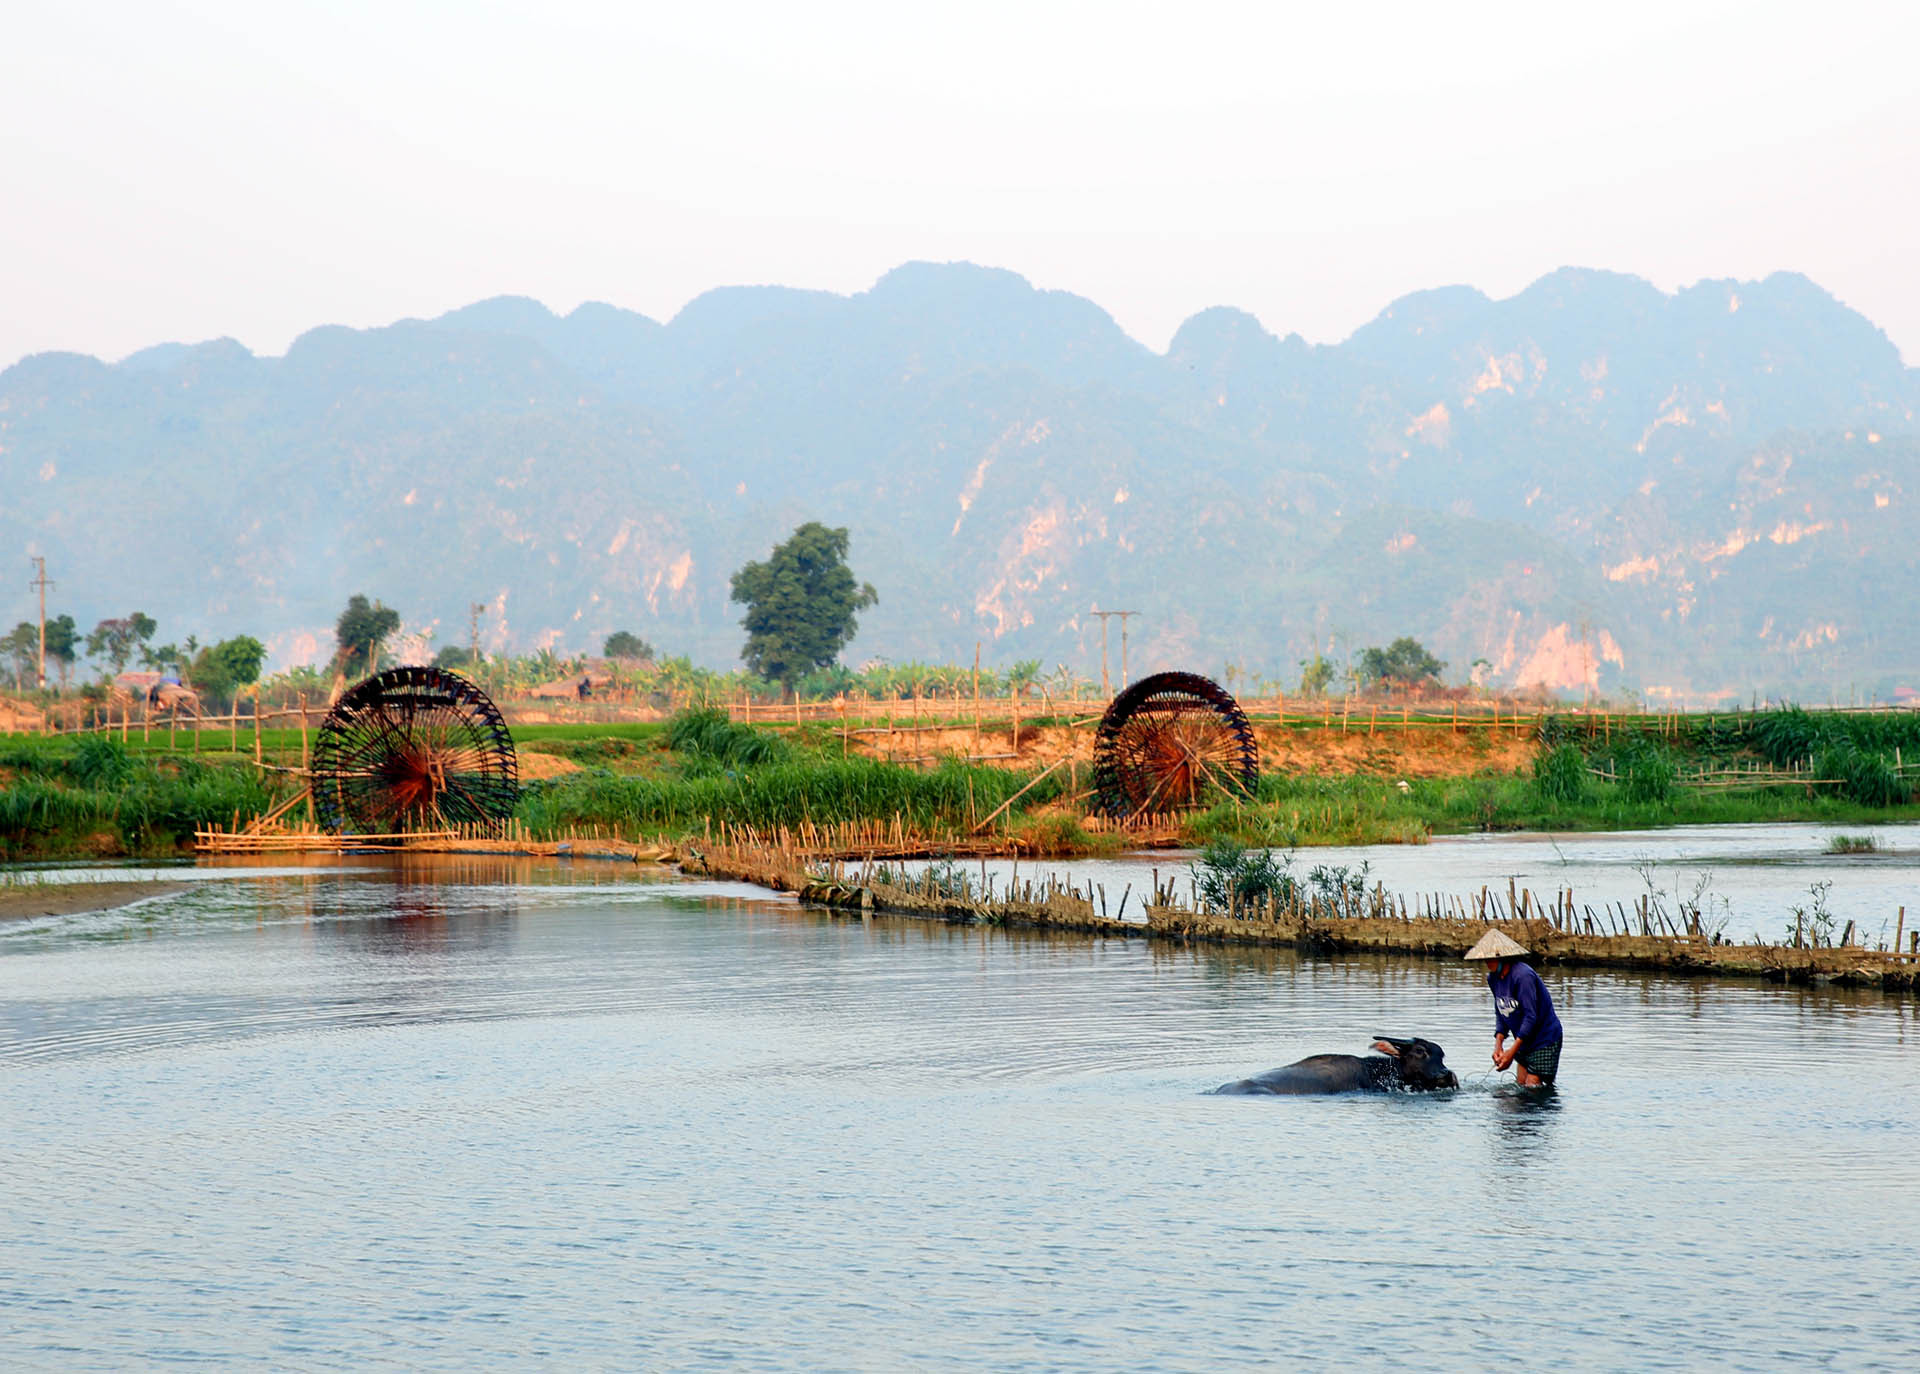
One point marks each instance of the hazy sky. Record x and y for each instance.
(190, 170)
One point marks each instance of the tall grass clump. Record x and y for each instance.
(1786, 737)
(1560, 775)
(1865, 777)
(710, 733)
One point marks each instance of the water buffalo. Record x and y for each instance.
(1401, 1066)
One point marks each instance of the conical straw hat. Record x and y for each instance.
(1496, 944)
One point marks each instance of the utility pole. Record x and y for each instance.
(40, 581)
(1586, 668)
(1106, 687)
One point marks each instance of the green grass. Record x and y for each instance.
(785, 793)
(89, 796)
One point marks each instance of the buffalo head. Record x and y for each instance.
(1423, 1064)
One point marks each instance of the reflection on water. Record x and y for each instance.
(496, 1112)
(1523, 1139)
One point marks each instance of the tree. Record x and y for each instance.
(626, 644)
(1404, 661)
(116, 640)
(63, 644)
(221, 669)
(22, 647)
(242, 657)
(361, 630)
(800, 604)
(163, 656)
(1315, 674)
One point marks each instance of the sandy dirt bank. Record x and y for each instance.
(28, 900)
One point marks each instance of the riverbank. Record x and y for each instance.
(29, 899)
(1342, 918)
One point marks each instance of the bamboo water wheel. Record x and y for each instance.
(413, 749)
(1173, 742)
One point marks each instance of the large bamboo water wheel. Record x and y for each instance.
(413, 749)
(1173, 742)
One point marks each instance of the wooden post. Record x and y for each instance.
(303, 757)
(1899, 927)
(233, 724)
(256, 727)
(976, 696)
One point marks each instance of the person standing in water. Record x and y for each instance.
(1522, 1008)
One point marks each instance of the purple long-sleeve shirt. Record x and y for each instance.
(1522, 1006)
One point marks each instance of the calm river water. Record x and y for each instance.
(494, 1113)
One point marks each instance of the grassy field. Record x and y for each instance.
(94, 795)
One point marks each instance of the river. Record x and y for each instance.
(438, 1114)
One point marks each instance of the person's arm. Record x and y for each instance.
(1499, 1023)
(1526, 990)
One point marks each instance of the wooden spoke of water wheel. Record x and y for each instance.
(413, 749)
(1173, 742)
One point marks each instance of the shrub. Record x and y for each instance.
(1228, 876)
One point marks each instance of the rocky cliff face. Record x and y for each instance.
(1590, 481)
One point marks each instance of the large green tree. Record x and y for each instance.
(800, 604)
(220, 670)
(362, 628)
(627, 644)
(1405, 661)
(117, 640)
(63, 644)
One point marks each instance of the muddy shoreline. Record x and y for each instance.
(27, 901)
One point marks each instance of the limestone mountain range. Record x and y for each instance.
(1697, 493)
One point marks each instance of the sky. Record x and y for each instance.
(186, 171)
